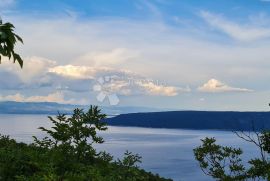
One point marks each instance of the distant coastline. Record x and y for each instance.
(196, 120)
(152, 117)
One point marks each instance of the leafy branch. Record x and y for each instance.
(8, 40)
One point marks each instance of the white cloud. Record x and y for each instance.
(57, 97)
(109, 58)
(214, 85)
(131, 85)
(115, 85)
(234, 30)
(38, 71)
(87, 72)
(33, 67)
(154, 89)
(53, 97)
(76, 72)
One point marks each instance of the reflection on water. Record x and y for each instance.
(164, 151)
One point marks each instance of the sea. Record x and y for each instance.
(167, 152)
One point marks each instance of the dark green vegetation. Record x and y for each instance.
(8, 40)
(219, 120)
(225, 163)
(68, 154)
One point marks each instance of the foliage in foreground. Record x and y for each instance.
(8, 40)
(68, 154)
(225, 163)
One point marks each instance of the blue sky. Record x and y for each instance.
(186, 54)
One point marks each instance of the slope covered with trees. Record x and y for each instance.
(219, 120)
(68, 154)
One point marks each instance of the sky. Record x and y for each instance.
(173, 54)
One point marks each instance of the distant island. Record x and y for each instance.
(213, 120)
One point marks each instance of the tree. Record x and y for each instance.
(8, 40)
(77, 133)
(224, 163)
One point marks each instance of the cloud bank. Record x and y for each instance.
(53, 97)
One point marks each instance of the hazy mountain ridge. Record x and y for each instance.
(52, 108)
(218, 120)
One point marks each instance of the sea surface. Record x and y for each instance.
(168, 152)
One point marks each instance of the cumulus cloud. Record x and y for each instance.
(154, 89)
(87, 72)
(214, 85)
(130, 85)
(76, 72)
(122, 82)
(113, 85)
(234, 30)
(33, 68)
(79, 78)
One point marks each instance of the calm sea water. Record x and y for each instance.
(164, 151)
